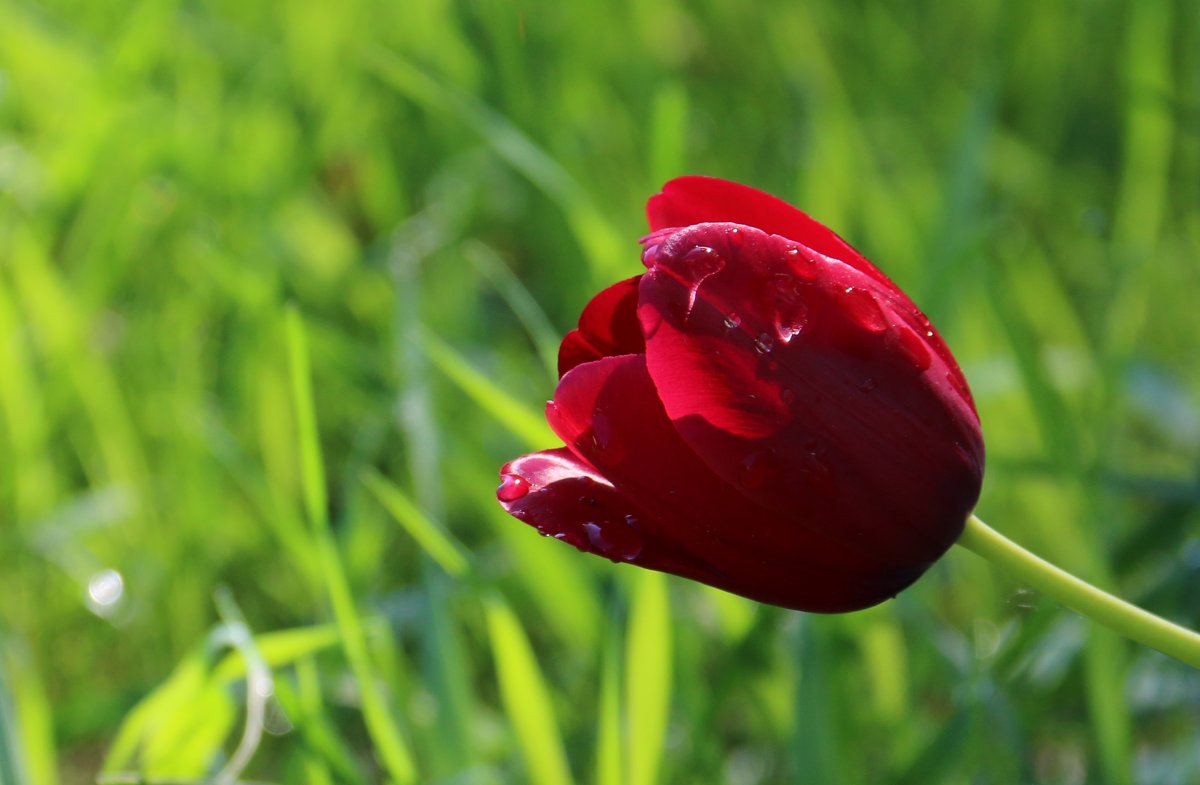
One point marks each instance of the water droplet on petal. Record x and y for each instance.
(732, 321)
(605, 440)
(764, 343)
(867, 385)
(692, 269)
(864, 309)
(913, 347)
(803, 265)
(756, 469)
(701, 262)
(959, 385)
(736, 236)
(789, 325)
(791, 315)
(618, 541)
(512, 487)
(649, 254)
(816, 471)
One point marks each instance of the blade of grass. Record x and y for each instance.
(439, 544)
(27, 749)
(610, 762)
(381, 724)
(326, 752)
(648, 677)
(520, 302)
(526, 697)
(442, 648)
(515, 416)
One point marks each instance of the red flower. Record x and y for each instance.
(762, 410)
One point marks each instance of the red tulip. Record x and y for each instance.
(761, 410)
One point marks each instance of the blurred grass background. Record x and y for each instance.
(280, 284)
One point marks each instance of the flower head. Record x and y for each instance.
(761, 410)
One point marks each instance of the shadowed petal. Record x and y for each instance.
(608, 326)
(564, 497)
(819, 400)
(608, 412)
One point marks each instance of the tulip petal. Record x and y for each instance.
(608, 326)
(608, 412)
(696, 199)
(564, 497)
(802, 380)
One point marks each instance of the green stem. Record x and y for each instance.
(1100, 606)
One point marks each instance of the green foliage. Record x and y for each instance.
(280, 285)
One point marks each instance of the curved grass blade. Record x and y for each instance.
(526, 697)
(381, 724)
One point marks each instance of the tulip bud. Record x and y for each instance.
(762, 410)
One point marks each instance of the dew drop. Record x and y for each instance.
(764, 343)
(732, 321)
(512, 487)
(736, 236)
(864, 309)
(650, 255)
(791, 316)
(616, 541)
(867, 385)
(789, 325)
(693, 269)
(959, 385)
(605, 440)
(913, 347)
(756, 469)
(817, 473)
(803, 265)
(699, 263)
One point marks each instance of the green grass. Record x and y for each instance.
(280, 287)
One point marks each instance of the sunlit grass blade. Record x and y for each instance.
(27, 749)
(509, 412)
(526, 697)
(154, 711)
(610, 758)
(436, 542)
(381, 724)
(280, 648)
(562, 590)
(648, 677)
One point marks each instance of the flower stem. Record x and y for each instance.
(1100, 606)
